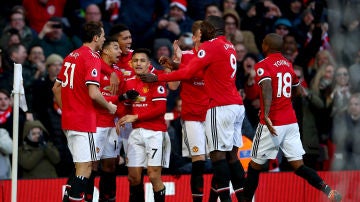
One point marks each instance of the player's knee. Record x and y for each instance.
(154, 175)
(257, 163)
(134, 179)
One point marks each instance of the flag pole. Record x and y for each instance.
(16, 93)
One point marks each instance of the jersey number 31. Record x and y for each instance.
(68, 77)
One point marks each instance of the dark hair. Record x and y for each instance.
(91, 29)
(108, 41)
(218, 23)
(207, 31)
(117, 29)
(142, 50)
(210, 5)
(6, 92)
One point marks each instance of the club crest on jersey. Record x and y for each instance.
(145, 89)
(201, 54)
(260, 71)
(161, 89)
(94, 73)
(195, 149)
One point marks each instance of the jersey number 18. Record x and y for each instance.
(284, 84)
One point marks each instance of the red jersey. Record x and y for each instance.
(103, 117)
(216, 58)
(195, 102)
(39, 14)
(281, 73)
(150, 105)
(80, 68)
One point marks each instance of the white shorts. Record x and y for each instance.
(194, 139)
(266, 146)
(107, 143)
(223, 127)
(81, 146)
(148, 148)
(124, 135)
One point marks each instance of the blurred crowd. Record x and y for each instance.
(321, 38)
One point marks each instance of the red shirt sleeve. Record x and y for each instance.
(185, 71)
(158, 108)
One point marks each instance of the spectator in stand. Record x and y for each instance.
(302, 27)
(290, 47)
(141, 16)
(228, 5)
(346, 136)
(38, 156)
(92, 13)
(259, 19)
(292, 10)
(341, 92)
(5, 152)
(235, 35)
(16, 53)
(212, 9)
(322, 57)
(9, 38)
(305, 107)
(17, 22)
(36, 62)
(175, 22)
(251, 90)
(162, 47)
(48, 112)
(33, 69)
(185, 41)
(38, 12)
(322, 86)
(54, 40)
(354, 71)
(241, 51)
(282, 27)
(7, 116)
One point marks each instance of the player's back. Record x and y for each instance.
(80, 68)
(220, 73)
(195, 101)
(280, 71)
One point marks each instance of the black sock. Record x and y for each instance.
(213, 194)
(197, 180)
(237, 178)
(78, 187)
(159, 196)
(251, 183)
(137, 193)
(313, 178)
(89, 190)
(221, 179)
(107, 186)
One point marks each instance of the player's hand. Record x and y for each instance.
(127, 119)
(270, 126)
(112, 108)
(149, 78)
(114, 83)
(177, 52)
(129, 95)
